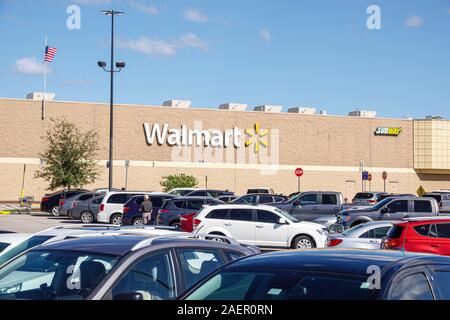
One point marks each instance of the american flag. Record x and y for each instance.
(50, 53)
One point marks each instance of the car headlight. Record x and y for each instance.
(321, 231)
(10, 290)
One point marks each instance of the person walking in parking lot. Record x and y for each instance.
(146, 209)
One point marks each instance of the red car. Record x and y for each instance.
(427, 235)
(187, 222)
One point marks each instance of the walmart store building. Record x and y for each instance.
(232, 148)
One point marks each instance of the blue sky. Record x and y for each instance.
(286, 52)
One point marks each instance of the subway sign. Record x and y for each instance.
(392, 132)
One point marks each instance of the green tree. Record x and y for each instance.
(178, 181)
(69, 158)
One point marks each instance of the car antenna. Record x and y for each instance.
(404, 239)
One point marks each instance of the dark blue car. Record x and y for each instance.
(132, 215)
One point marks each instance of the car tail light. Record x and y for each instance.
(334, 242)
(126, 209)
(101, 208)
(44, 199)
(393, 243)
(372, 201)
(61, 202)
(162, 211)
(197, 222)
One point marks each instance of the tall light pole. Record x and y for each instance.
(119, 66)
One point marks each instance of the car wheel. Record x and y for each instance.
(116, 219)
(87, 217)
(303, 242)
(356, 223)
(55, 212)
(216, 239)
(138, 222)
(176, 224)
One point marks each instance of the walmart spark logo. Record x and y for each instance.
(255, 136)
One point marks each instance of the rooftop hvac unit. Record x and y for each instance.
(177, 103)
(269, 108)
(323, 112)
(363, 114)
(302, 110)
(233, 106)
(39, 96)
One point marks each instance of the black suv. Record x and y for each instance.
(50, 202)
(172, 210)
(329, 275)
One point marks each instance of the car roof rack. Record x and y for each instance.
(213, 237)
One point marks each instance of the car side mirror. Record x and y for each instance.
(384, 210)
(282, 221)
(297, 203)
(129, 296)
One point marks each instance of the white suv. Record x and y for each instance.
(111, 208)
(260, 225)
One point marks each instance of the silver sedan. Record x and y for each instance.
(364, 236)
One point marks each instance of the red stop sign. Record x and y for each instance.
(385, 175)
(299, 172)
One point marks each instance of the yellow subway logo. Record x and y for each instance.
(388, 132)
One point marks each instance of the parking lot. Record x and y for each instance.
(31, 223)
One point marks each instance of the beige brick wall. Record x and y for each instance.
(328, 141)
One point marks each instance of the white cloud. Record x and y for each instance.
(195, 15)
(191, 40)
(159, 47)
(265, 34)
(414, 22)
(148, 46)
(147, 8)
(29, 66)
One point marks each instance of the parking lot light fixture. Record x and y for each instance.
(119, 66)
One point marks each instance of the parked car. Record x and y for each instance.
(390, 195)
(259, 198)
(426, 235)
(444, 205)
(86, 211)
(260, 190)
(363, 236)
(104, 190)
(187, 222)
(65, 204)
(180, 192)
(119, 267)
(173, 209)
(50, 202)
(395, 209)
(47, 236)
(111, 208)
(9, 240)
(368, 198)
(209, 193)
(309, 206)
(331, 274)
(227, 199)
(132, 214)
(261, 225)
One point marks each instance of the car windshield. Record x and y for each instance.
(27, 244)
(353, 230)
(181, 192)
(380, 204)
(287, 215)
(53, 275)
(283, 285)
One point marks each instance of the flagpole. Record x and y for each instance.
(45, 81)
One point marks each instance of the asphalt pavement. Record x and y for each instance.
(31, 223)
